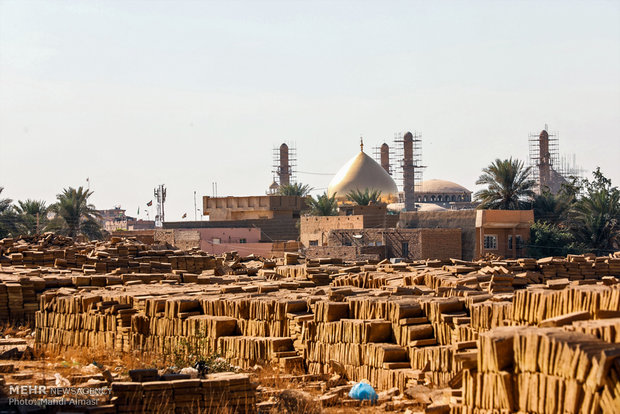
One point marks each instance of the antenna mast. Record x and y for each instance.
(160, 196)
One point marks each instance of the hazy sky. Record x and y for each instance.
(135, 94)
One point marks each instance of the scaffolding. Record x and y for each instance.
(376, 152)
(285, 163)
(552, 163)
(416, 159)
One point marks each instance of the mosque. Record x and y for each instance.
(362, 172)
(433, 219)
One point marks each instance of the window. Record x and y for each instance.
(243, 241)
(314, 242)
(405, 248)
(379, 243)
(490, 242)
(216, 241)
(520, 243)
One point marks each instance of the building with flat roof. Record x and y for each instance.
(503, 232)
(252, 207)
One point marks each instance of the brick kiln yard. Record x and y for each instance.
(468, 337)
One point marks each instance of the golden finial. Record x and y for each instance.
(362, 144)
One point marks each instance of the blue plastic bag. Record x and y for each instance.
(363, 391)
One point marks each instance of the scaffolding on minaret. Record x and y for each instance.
(415, 157)
(383, 157)
(285, 163)
(547, 167)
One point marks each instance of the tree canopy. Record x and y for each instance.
(364, 198)
(74, 215)
(31, 216)
(296, 189)
(508, 185)
(594, 218)
(322, 205)
(8, 217)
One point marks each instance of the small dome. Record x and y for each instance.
(361, 173)
(442, 186)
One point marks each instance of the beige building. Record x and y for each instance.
(252, 207)
(503, 232)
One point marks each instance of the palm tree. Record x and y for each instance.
(509, 185)
(296, 189)
(550, 208)
(8, 218)
(32, 216)
(364, 198)
(74, 216)
(323, 205)
(594, 219)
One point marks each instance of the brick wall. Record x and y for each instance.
(350, 253)
(440, 244)
(465, 220)
(419, 243)
(318, 227)
(164, 236)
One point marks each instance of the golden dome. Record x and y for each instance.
(361, 173)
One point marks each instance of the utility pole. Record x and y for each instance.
(195, 207)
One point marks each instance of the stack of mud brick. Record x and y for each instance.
(579, 267)
(85, 321)
(606, 329)
(446, 315)
(488, 313)
(19, 296)
(441, 364)
(225, 392)
(258, 316)
(248, 351)
(246, 331)
(362, 347)
(534, 305)
(542, 370)
(374, 280)
(318, 271)
(121, 255)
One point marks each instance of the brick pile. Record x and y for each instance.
(223, 392)
(468, 326)
(543, 370)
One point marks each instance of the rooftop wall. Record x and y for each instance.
(252, 207)
(507, 217)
